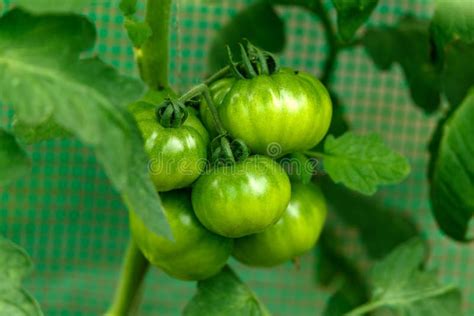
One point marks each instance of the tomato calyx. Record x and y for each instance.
(171, 113)
(255, 62)
(225, 150)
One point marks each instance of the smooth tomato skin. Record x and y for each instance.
(294, 234)
(177, 155)
(194, 122)
(241, 199)
(194, 254)
(288, 109)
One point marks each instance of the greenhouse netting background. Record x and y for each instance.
(75, 227)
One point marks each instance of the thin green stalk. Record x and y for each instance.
(134, 269)
(218, 75)
(215, 115)
(331, 39)
(154, 54)
(314, 154)
(204, 90)
(193, 92)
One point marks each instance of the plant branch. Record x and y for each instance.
(331, 40)
(134, 269)
(401, 300)
(215, 115)
(314, 154)
(354, 43)
(218, 75)
(204, 90)
(154, 54)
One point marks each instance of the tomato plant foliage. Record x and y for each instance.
(352, 14)
(15, 265)
(408, 44)
(224, 294)
(363, 162)
(14, 162)
(46, 82)
(452, 201)
(399, 284)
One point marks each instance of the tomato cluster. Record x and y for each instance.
(245, 205)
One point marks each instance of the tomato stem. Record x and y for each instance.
(225, 145)
(134, 269)
(154, 53)
(193, 92)
(314, 154)
(232, 151)
(203, 89)
(331, 39)
(215, 115)
(221, 73)
(263, 62)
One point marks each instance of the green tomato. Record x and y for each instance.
(284, 112)
(241, 199)
(177, 155)
(294, 234)
(194, 254)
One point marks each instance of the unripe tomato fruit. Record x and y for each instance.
(241, 199)
(194, 254)
(294, 234)
(177, 155)
(288, 110)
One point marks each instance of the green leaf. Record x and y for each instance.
(433, 145)
(351, 14)
(18, 302)
(14, 162)
(399, 284)
(377, 237)
(224, 294)
(15, 264)
(43, 79)
(458, 71)
(334, 266)
(138, 31)
(453, 32)
(452, 185)
(363, 162)
(43, 6)
(255, 23)
(409, 45)
(30, 134)
(453, 20)
(128, 7)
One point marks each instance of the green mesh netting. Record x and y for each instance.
(75, 226)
